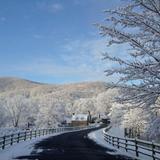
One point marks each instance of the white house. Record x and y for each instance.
(79, 120)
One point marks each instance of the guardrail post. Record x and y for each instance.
(11, 139)
(109, 139)
(30, 134)
(25, 136)
(4, 141)
(118, 142)
(35, 133)
(43, 132)
(136, 147)
(113, 141)
(18, 137)
(126, 144)
(153, 151)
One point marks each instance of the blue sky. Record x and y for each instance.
(53, 41)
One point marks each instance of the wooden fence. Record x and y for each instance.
(9, 140)
(139, 147)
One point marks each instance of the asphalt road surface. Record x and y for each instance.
(69, 146)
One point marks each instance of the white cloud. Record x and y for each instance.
(56, 7)
(3, 19)
(80, 58)
(38, 36)
(48, 67)
(77, 2)
(50, 7)
(85, 51)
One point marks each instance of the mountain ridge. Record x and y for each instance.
(12, 83)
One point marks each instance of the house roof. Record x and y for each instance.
(80, 117)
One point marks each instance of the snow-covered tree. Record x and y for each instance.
(136, 118)
(153, 132)
(116, 113)
(105, 100)
(16, 106)
(51, 111)
(83, 105)
(4, 117)
(137, 27)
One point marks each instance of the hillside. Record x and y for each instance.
(8, 84)
(49, 102)
(12, 83)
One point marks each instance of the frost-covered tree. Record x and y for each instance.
(136, 118)
(137, 27)
(116, 113)
(83, 105)
(4, 117)
(51, 111)
(17, 107)
(104, 101)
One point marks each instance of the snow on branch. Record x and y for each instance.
(138, 25)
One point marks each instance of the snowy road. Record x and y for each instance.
(69, 146)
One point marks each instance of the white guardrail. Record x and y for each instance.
(139, 147)
(9, 140)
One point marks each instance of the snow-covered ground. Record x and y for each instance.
(22, 148)
(97, 136)
(116, 131)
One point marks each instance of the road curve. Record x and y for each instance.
(69, 146)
